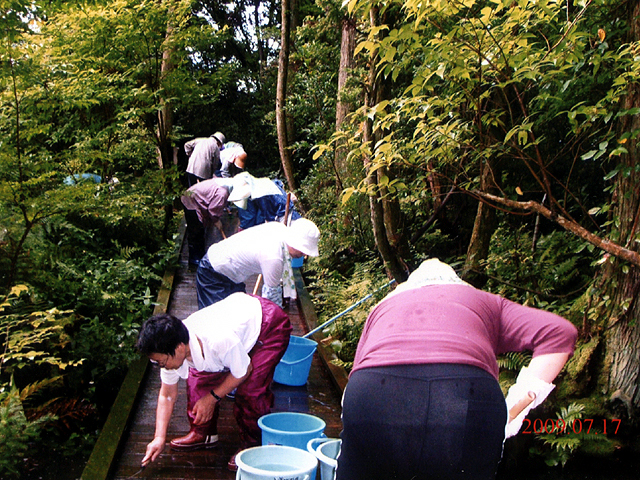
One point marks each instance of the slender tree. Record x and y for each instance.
(344, 106)
(281, 95)
(383, 217)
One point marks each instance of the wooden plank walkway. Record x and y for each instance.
(320, 396)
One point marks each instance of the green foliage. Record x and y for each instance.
(312, 90)
(16, 431)
(530, 89)
(514, 361)
(551, 276)
(110, 285)
(570, 436)
(333, 294)
(37, 349)
(37, 338)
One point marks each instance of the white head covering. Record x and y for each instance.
(430, 272)
(303, 235)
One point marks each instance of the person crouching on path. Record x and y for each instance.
(236, 343)
(265, 249)
(423, 399)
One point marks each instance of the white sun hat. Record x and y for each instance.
(303, 235)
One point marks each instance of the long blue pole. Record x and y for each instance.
(333, 319)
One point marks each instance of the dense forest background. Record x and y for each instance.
(499, 136)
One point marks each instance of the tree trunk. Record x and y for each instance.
(343, 107)
(281, 97)
(392, 262)
(623, 332)
(293, 25)
(483, 228)
(259, 40)
(165, 122)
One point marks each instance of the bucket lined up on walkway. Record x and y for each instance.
(271, 462)
(292, 429)
(293, 368)
(287, 451)
(326, 451)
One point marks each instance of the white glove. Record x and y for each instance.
(528, 392)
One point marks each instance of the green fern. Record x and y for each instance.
(559, 446)
(333, 294)
(16, 431)
(514, 361)
(126, 252)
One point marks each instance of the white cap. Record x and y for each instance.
(303, 235)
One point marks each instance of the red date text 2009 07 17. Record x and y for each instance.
(574, 427)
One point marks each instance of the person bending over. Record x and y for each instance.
(233, 344)
(265, 249)
(423, 399)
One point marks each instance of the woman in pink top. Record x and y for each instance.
(423, 399)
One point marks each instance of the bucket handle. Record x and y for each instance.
(238, 477)
(298, 360)
(314, 442)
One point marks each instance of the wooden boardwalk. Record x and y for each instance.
(320, 396)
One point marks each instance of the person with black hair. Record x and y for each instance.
(233, 344)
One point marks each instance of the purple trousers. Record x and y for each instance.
(254, 397)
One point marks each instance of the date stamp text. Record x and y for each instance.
(558, 426)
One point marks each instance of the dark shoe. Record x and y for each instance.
(231, 464)
(194, 441)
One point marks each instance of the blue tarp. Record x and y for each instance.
(82, 178)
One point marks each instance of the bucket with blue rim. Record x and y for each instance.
(275, 462)
(291, 429)
(293, 368)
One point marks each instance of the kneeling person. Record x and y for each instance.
(234, 343)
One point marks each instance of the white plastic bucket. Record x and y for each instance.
(326, 451)
(275, 462)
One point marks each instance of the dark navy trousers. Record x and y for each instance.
(440, 421)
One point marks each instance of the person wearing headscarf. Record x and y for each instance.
(423, 399)
(233, 159)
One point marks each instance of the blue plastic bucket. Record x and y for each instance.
(291, 429)
(297, 262)
(275, 462)
(293, 368)
(326, 451)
